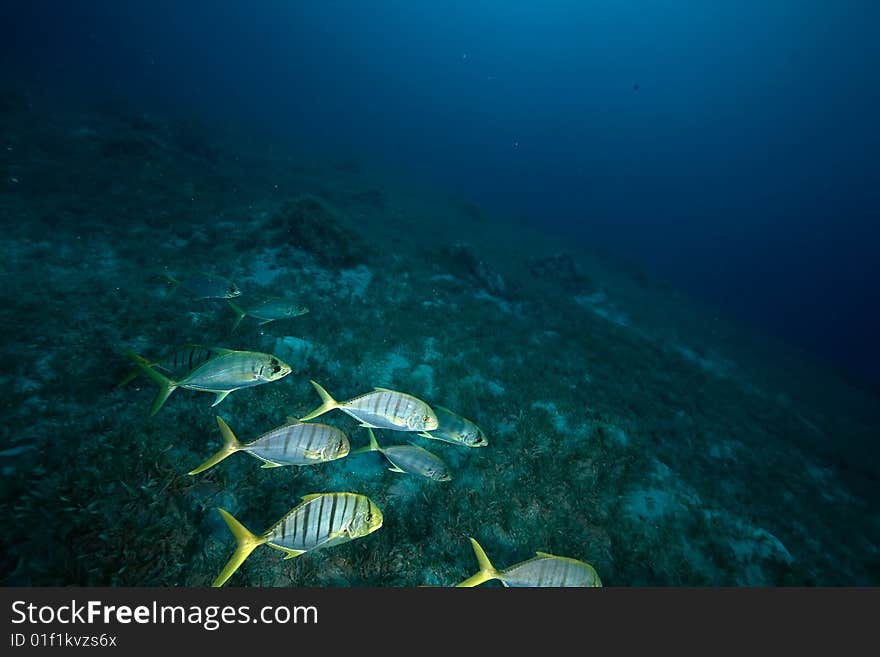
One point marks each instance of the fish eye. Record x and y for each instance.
(369, 516)
(425, 419)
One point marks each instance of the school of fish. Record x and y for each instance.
(323, 520)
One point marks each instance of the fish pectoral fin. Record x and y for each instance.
(311, 454)
(425, 434)
(220, 397)
(396, 469)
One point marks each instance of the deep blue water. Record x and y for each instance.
(730, 147)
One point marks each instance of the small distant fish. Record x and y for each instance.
(453, 428)
(295, 443)
(410, 459)
(268, 310)
(227, 371)
(380, 409)
(546, 570)
(204, 286)
(321, 520)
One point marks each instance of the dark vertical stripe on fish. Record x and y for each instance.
(307, 512)
(317, 522)
(311, 439)
(343, 519)
(287, 440)
(331, 529)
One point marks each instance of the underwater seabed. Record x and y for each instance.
(627, 427)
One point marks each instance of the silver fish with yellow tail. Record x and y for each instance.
(320, 521)
(295, 443)
(267, 310)
(227, 371)
(410, 459)
(544, 570)
(453, 428)
(380, 409)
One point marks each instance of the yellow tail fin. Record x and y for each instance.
(327, 403)
(487, 570)
(166, 385)
(247, 543)
(372, 447)
(230, 446)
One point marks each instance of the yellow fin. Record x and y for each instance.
(220, 396)
(487, 570)
(246, 543)
(290, 554)
(327, 403)
(230, 446)
(385, 390)
(308, 498)
(166, 385)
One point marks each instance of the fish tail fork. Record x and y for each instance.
(327, 403)
(372, 447)
(487, 570)
(246, 543)
(166, 385)
(230, 446)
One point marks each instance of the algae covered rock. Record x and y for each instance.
(310, 223)
(464, 261)
(561, 268)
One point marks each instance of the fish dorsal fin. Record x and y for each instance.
(309, 498)
(443, 408)
(292, 420)
(546, 555)
(383, 389)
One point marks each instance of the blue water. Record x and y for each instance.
(743, 168)
(719, 155)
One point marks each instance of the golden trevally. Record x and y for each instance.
(319, 521)
(229, 370)
(541, 570)
(380, 409)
